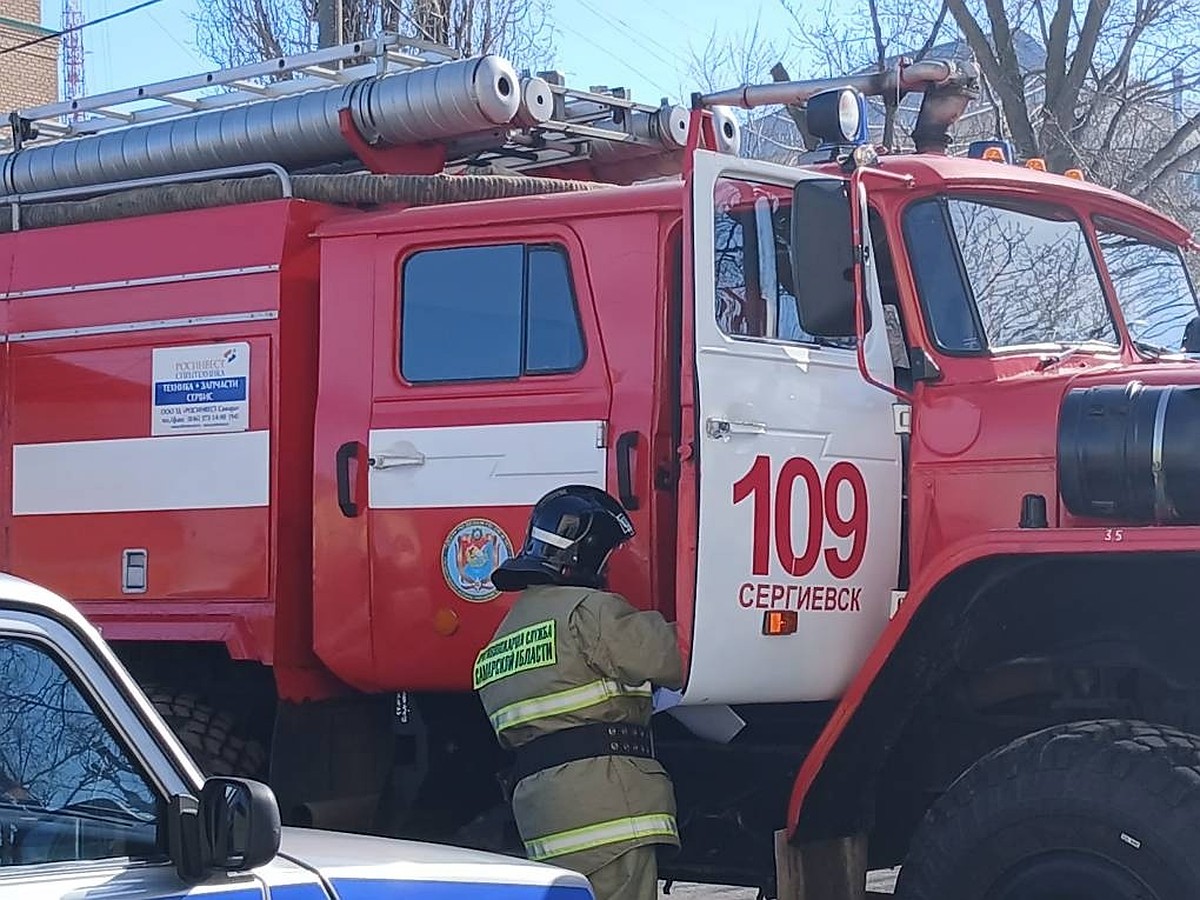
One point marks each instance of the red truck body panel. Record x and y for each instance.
(328, 601)
(85, 306)
(977, 450)
(386, 617)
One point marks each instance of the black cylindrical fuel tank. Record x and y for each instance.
(1131, 452)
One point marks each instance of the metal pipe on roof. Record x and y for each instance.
(915, 76)
(432, 103)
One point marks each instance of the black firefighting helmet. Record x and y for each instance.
(572, 532)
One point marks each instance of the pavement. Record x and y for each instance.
(881, 882)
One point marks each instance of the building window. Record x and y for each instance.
(488, 313)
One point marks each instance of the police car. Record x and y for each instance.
(99, 800)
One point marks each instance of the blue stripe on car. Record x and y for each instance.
(295, 892)
(364, 889)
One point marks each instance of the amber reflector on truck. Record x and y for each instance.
(782, 621)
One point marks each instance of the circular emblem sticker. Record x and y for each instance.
(472, 551)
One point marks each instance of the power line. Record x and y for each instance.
(65, 31)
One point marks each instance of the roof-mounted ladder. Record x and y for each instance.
(581, 124)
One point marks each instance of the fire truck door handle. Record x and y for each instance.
(626, 444)
(719, 429)
(382, 461)
(345, 453)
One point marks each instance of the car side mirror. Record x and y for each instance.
(234, 826)
(239, 822)
(822, 246)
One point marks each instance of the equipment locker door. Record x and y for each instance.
(799, 460)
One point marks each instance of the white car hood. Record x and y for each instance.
(359, 867)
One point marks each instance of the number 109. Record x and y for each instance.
(822, 508)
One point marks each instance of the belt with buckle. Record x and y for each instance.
(583, 742)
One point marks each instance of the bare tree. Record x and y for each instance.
(731, 58)
(1115, 76)
(836, 42)
(825, 41)
(1107, 86)
(234, 32)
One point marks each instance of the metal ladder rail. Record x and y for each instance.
(580, 116)
(578, 120)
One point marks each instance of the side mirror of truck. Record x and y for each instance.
(822, 245)
(1191, 336)
(233, 827)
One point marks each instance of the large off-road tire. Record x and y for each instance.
(1103, 810)
(210, 736)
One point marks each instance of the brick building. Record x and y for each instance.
(28, 77)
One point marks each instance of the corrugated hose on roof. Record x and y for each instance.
(360, 189)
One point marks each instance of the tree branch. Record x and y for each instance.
(933, 33)
(1000, 68)
(1167, 157)
(1170, 169)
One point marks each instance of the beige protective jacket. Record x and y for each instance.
(567, 656)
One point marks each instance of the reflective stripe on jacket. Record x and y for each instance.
(564, 657)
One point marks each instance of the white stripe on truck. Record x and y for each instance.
(415, 468)
(483, 465)
(201, 471)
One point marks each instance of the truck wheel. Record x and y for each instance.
(208, 735)
(1103, 810)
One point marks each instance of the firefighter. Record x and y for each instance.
(567, 683)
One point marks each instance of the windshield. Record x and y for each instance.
(992, 277)
(1152, 287)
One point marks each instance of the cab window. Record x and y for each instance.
(752, 265)
(1152, 286)
(488, 313)
(68, 789)
(992, 277)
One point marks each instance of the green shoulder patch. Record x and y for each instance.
(530, 648)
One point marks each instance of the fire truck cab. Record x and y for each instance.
(907, 440)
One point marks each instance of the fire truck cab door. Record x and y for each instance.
(799, 459)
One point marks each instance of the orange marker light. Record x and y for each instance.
(995, 154)
(445, 622)
(781, 621)
(1036, 163)
(1077, 174)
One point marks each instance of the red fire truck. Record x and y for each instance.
(909, 440)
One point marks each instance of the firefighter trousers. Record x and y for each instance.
(631, 876)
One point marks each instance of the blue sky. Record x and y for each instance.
(641, 44)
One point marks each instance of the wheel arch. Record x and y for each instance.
(1067, 609)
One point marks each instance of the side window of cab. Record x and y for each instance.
(69, 791)
(755, 282)
(488, 313)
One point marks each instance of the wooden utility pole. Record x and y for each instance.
(329, 23)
